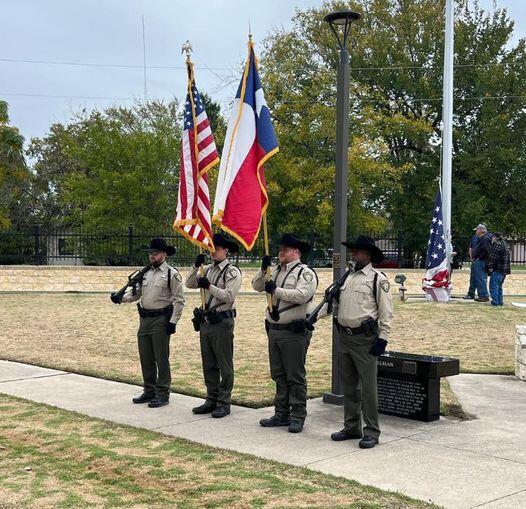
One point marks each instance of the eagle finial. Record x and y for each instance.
(187, 48)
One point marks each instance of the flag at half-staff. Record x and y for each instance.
(241, 195)
(437, 280)
(198, 155)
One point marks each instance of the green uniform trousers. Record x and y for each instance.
(217, 355)
(154, 352)
(358, 371)
(287, 355)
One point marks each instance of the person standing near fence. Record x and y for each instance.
(292, 287)
(472, 280)
(480, 254)
(498, 267)
(221, 284)
(161, 303)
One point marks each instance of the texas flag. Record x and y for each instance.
(241, 194)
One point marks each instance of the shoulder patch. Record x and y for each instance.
(384, 285)
(178, 276)
(307, 276)
(232, 272)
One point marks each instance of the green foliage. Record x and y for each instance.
(106, 170)
(14, 175)
(395, 121)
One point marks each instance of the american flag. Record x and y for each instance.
(198, 155)
(437, 266)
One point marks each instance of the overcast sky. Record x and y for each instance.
(110, 32)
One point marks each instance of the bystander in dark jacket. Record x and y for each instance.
(498, 267)
(479, 256)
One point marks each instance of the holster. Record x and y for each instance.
(212, 317)
(298, 326)
(198, 319)
(274, 314)
(369, 327)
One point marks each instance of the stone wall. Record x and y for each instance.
(107, 279)
(520, 353)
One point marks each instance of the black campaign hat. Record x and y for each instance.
(290, 240)
(367, 244)
(159, 244)
(223, 241)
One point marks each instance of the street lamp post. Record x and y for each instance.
(340, 23)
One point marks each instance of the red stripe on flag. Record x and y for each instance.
(205, 142)
(203, 125)
(207, 160)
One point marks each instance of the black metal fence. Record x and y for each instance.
(75, 246)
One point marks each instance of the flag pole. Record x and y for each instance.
(187, 48)
(447, 119)
(267, 253)
(265, 226)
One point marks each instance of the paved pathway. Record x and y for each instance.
(480, 463)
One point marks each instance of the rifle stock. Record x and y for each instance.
(134, 279)
(328, 297)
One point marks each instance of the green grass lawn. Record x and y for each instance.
(51, 458)
(87, 334)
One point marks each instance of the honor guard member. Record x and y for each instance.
(215, 324)
(363, 314)
(292, 288)
(161, 303)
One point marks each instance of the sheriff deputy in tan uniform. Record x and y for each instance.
(292, 287)
(161, 303)
(221, 284)
(363, 313)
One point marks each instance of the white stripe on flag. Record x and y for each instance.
(232, 160)
(189, 177)
(206, 151)
(205, 133)
(204, 211)
(203, 186)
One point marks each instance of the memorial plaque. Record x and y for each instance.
(409, 384)
(411, 399)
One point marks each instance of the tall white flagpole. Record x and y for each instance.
(447, 124)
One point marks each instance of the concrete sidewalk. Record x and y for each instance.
(480, 463)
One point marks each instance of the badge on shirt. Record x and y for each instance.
(384, 285)
(307, 276)
(232, 272)
(178, 277)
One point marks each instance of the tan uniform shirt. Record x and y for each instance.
(155, 294)
(294, 286)
(357, 302)
(225, 283)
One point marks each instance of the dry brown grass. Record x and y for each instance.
(85, 333)
(81, 462)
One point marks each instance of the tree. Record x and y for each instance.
(109, 169)
(395, 123)
(14, 175)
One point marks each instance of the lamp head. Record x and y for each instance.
(340, 23)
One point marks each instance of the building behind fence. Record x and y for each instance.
(74, 246)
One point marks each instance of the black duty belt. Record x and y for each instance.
(151, 313)
(278, 326)
(297, 326)
(350, 331)
(218, 316)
